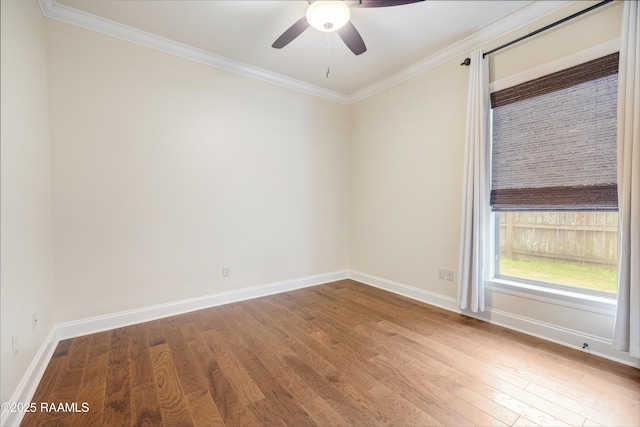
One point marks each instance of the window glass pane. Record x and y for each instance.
(578, 249)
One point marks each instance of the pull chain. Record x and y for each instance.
(328, 57)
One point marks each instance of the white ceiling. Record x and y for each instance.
(238, 34)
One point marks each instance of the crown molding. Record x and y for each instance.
(534, 11)
(51, 9)
(539, 9)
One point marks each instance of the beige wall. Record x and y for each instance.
(26, 231)
(165, 170)
(406, 179)
(407, 163)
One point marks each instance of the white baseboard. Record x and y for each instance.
(431, 298)
(31, 379)
(567, 337)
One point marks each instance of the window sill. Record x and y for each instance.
(601, 304)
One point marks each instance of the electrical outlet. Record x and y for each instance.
(225, 271)
(441, 273)
(34, 320)
(15, 343)
(450, 275)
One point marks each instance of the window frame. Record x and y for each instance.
(583, 299)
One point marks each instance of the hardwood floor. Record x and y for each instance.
(332, 355)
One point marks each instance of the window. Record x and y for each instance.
(553, 179)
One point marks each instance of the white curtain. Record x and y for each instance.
(475, 194)
(626, 335)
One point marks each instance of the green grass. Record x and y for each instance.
(600, 279)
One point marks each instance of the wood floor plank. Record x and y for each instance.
(590, 423)
(266, 413)
(469, 388)
(621, 385)
(62, 349)
(541, 377)
(339, 354)
(141, 369)
(203, 410)
(430, 386)
(154, 332)
(173, 404)
(291, 333)
(350, 337)
(600, 408)
(269, 351)
(353, 414)
(233, 411)
(60, 406)
(202, 320)
(479, 400)
(183, 358)
(553, 413)
(44, 391)
(93, 397)
(514, 359)
(404, 385)
(225, 397)
(145, 409)
(403, 412)
(95, 372)
(322, 413)
(70, 379)
(411, 351)
(524, 422)
(382, 410)
(338, 360)
(248, 391)
(117, 404)
(523, 403)
(276, 395)
(470, 365)
(517, 400)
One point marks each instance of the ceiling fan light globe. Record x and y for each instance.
(329, 15)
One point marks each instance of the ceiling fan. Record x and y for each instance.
(333, 15)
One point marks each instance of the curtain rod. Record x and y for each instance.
(467, 61)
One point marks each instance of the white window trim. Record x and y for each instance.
(566, 296)
(581, 300)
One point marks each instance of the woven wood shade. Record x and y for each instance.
(554, 141)
(601, 67)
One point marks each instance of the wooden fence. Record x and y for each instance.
(586, 238)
